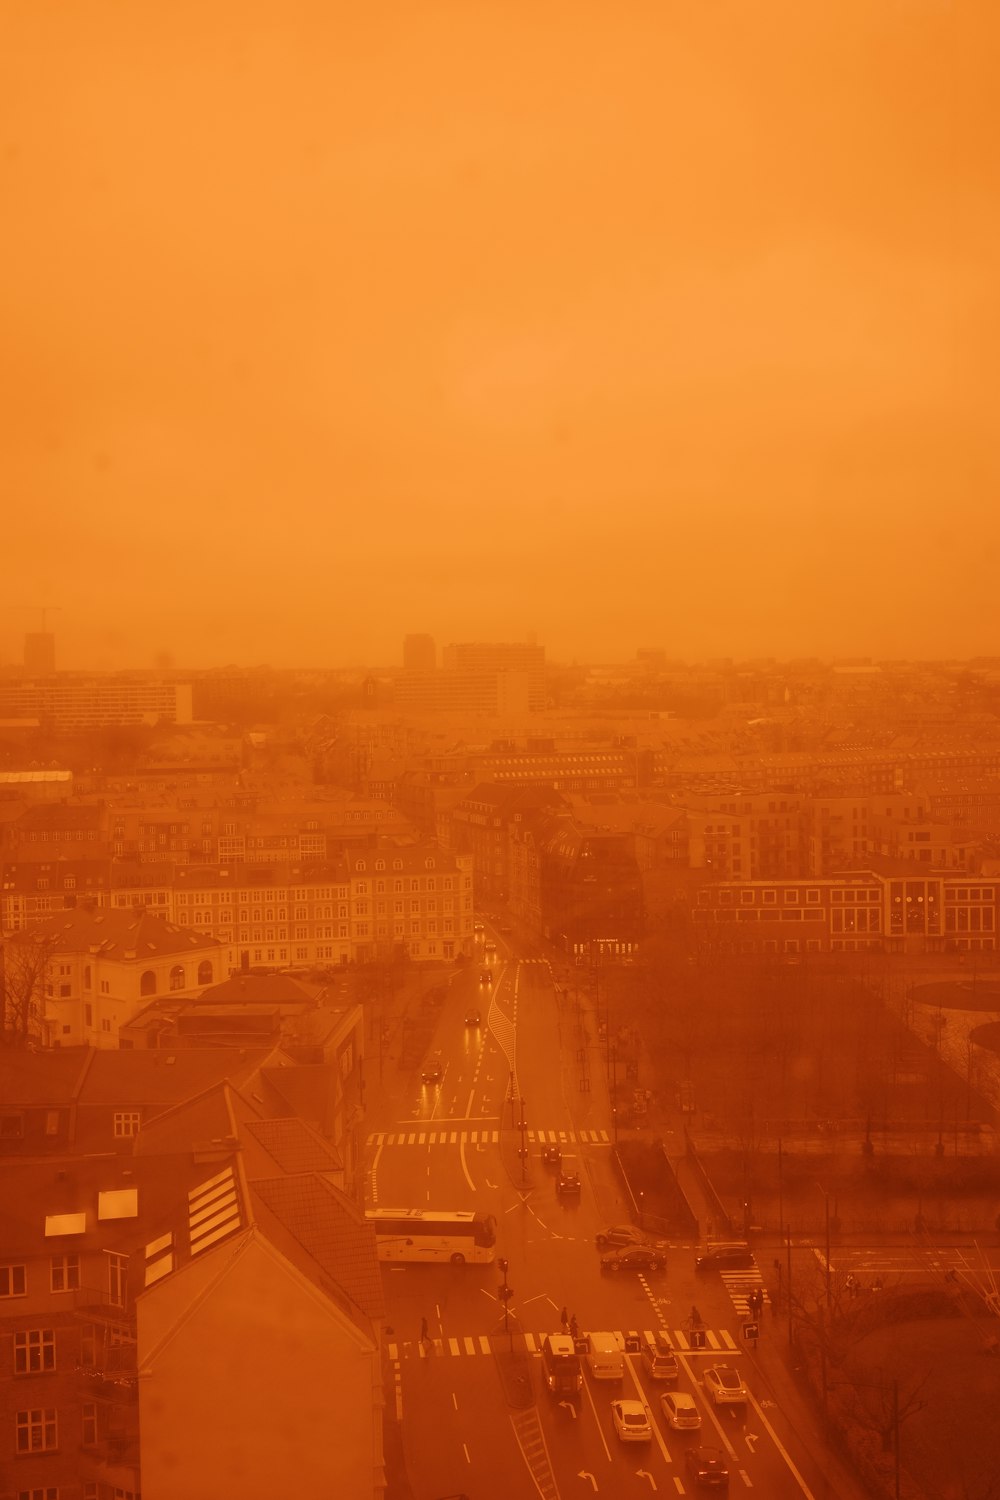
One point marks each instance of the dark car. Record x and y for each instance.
(551, 1156)
(707, 1467)
(472, 1018)
(619, 1235)
(725, 1258)
(486, 977)
(635, 1258)
(432, 1070)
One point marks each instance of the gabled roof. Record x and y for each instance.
(165, 1078)
(258, 989)
(48, 1077)
(127, 936)
(322, 1224)
(59, 817)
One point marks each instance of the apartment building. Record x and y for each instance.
(367, 904)
(896, 911)
(66, 703)
(81, 974)
(184, 1320)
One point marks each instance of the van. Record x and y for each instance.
(604, 1356)
(568, 1180)
(659, 1358)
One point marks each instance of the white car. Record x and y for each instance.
(631, 1421)
(680, 1411)
(724, 1384)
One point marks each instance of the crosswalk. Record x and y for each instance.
(739, 1285)
(485, 1138)
(716, 1341)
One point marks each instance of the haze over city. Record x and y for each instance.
(668, 328)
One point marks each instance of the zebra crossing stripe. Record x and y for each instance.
(473, 1344)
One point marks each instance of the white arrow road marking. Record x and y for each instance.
(645, 1474)
(583, 1474)
(569, 1407)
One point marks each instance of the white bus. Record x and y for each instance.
(433, 1235)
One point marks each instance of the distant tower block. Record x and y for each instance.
(419, 653)
(40, 654)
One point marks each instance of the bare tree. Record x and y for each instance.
(24, 966)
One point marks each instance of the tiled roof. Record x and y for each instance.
(332, 1231)
(124, 935)
(258, 989)
(164, 1077)
(48, 1077)
(291, 1145)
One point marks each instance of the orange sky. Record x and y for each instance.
(668, 323)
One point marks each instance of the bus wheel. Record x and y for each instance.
(458, 1259)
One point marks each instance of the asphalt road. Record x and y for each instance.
(476, 1419)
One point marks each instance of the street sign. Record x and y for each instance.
(751, 1331)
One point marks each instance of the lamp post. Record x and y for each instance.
(522, 1125)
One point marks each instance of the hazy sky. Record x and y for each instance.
(667, 323)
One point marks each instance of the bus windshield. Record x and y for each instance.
(406, 1234)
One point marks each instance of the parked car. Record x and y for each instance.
(631, 1421)
(707, 1467)
(472, 1017)
(733, 1257)
(680, 1411)
(724, 1384)
(433, 1069)
(635, 1258)
(619, 1235)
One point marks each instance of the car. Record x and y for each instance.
(631, 1421)
(472, 1017)
(618, 1236)
(724, 1384)
(734, 1257)
(486, 977)
(707, 1466)
(659, 1359)
(635, 1258)
(680, 1411)
(551, 1156)
(433, 1069)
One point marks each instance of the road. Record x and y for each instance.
(476, 1418)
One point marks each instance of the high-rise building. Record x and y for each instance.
(519, 657)
(419, 653)
(40, 653)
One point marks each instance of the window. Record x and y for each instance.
(64, 1273)
(205, 971)
(126, 1123)
(36, 1430)
(13, 1281)
(89, 1423)
(41, 1492)
(117, 1278)
(34, 1351)
(177, 977)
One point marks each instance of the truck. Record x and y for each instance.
(561, 1365)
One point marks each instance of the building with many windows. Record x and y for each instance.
(83, 973)
(894, 910)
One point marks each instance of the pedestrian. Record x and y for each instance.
(573, 1327)
(564, 1319)
(424, 1335)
